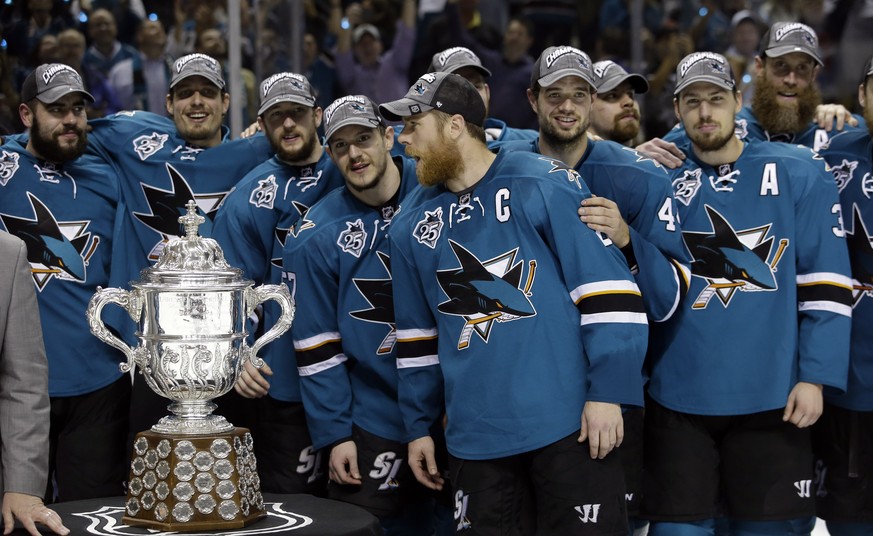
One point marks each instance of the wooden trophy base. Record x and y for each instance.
(193, 482)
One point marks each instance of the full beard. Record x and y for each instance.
(779, 118)
(623, 130)
(294, 155)
(440, 164)
(560, 140)
(48, 147)
(713, 142)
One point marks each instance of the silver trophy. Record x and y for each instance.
(190, 309)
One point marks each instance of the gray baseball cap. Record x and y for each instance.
(197, 65)
(51, 81)
(704, 67)
(786, 37)
(608, 75)
(286, 87)
(350, 110)
(451, 60)
(446, 92)
(556, 63)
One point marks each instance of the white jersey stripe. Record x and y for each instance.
(829, 278)
(416, 362)
(338, 359)
(404, 335)
(616, 317)
(603, 287)
(316, 341)
(827, 306)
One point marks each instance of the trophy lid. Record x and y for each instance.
(192, 260)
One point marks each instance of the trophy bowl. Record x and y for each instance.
(190, 310)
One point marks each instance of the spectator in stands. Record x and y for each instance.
(119, 63)
(362, 65)
(319, 70)
(24, 35)
(156, 64)
(745, 36)
(72, 52)
(212, 43)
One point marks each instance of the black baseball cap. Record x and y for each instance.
(350, 110)
(197, 65)
(704, 67)
(446, 92)
(786, 37)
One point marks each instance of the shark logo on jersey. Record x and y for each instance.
(643, 157)
(861, 257)
(729, 260)
(148, 144)
(485, 292)
(686, 186)
(354, 239)
(265, 194)
(560, 167)
(166, 206)
(54, 248)
(379, 294)
(741, 128)
(8, 166)
(843, 173)
(427, 231)
(302, 223)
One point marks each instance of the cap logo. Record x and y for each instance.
(448, 53)
(717, 59)
(419, 88)
(357, 104)
(438, 104)
(51, 71)
(601, 67)
(182, 62)
(295, 79)
(554, 55)
(807, 33)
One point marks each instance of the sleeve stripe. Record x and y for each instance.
(334, 361)
(822, 292)
(828, 306)
(418, 362)
(609, 303)
(319, 354)
(315, 341)
(603, 287)
(826, 278)
(615, 317)
(408, 335)
(412, 349)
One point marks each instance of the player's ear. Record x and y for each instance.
(532, 100)
(26, 115)
(319, 113)
(389, 138)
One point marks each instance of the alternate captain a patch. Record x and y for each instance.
(484, 292)
(730, 260)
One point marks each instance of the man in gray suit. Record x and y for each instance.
(24, 404)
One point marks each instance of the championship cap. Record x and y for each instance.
(704, 67)
(51, 81)
(556, 63)
(197, 65)
(363, 29)
(451, 60)
(350, 110)
(608, 75)
(446, 92)
(786, 37)
(286, 87)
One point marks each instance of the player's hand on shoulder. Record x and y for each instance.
(251, 382)
(665, 152)
(805, 404)
(826, 114)
(344, 464)
(422, 460)
(602, 426)
(602, 215)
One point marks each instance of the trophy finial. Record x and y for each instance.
(191, 220)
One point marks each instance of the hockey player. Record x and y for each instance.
(786, 104)
(63, 205)
(615, 112)
(340, 273)
(632, 205)
(843, 437)
(737, 372)
(462, 61)
(492, 274)
(252, 226)
(164, 163)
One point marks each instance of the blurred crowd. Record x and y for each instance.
(124, 48)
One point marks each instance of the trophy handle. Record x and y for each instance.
(130, 302)
(257, 296)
